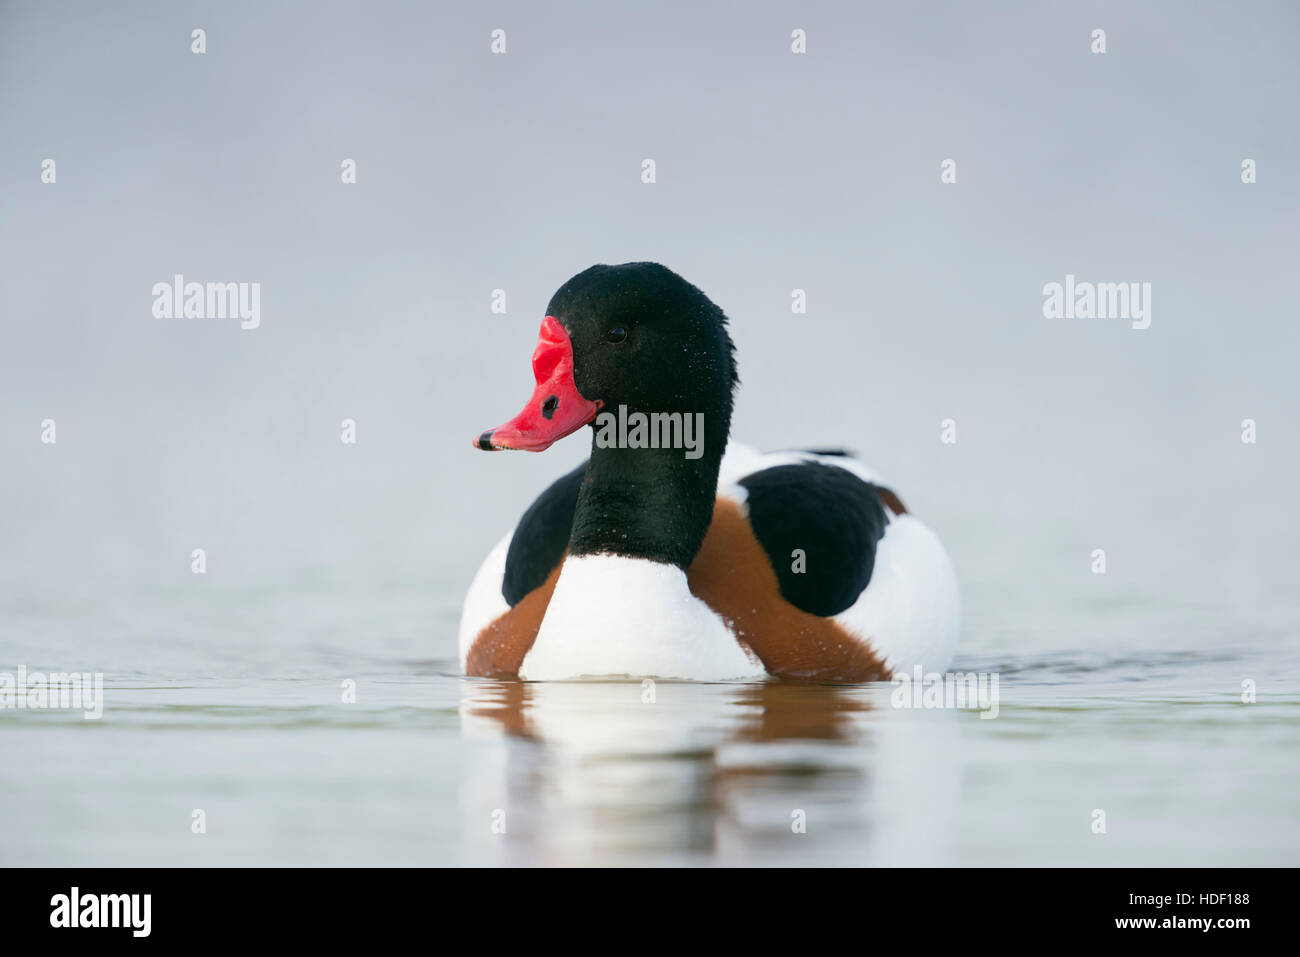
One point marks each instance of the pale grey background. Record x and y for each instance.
(775, 171)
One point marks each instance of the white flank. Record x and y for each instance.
(910, 611)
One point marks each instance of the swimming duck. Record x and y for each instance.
(671, 554)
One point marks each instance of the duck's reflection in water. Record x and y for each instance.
(607, 772)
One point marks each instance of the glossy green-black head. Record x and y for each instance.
(635, 335)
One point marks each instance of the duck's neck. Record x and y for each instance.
(654, 504)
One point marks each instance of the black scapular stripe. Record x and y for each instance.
(833, 516)
(541, 536)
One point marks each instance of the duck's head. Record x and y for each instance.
(636, 335)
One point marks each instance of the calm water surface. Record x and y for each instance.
(232, 703)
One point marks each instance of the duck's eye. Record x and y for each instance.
(617, 334)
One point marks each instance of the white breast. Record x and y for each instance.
(615, 616)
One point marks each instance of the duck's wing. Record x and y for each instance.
(819, 525)
(842, 545)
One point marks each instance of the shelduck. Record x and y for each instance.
(672, 554)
